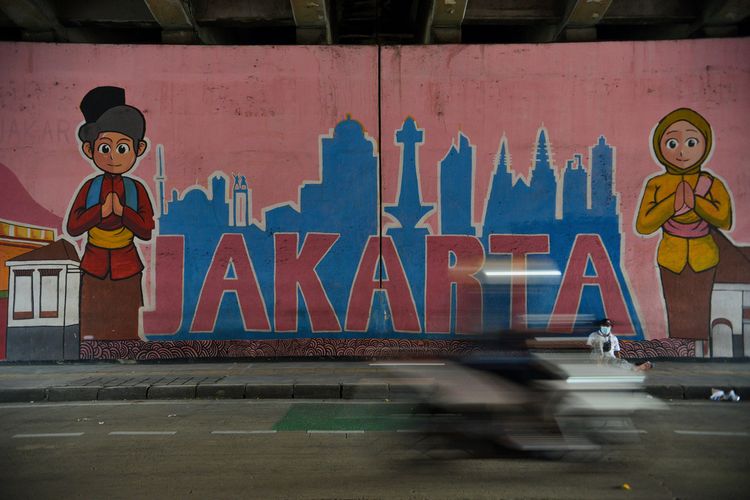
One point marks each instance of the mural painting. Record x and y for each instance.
(261, 219)
(112, 209)
(286, 277)
(16, 240)
(691, 206)
(589, 104)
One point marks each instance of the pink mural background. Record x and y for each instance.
(251, 110)
(247, 109)
(260, 111)
(578, 92)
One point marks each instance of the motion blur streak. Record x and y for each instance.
(506, 399)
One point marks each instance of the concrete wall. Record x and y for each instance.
(506, 194)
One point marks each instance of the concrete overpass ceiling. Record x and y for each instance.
(8, 29)
(368, 22)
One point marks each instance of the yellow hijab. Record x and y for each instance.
(692, 117)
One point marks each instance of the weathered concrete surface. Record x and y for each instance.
(12, 394)
(73, 393)
(172, 392)
(123, 392)
(269, 391)
(317, 391)
(364, 391)
(220, 391)
(664, 465)
(306, 380)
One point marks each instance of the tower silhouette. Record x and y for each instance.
(160, 179)
(543, 185)
(456, 188)
(499, 202)
(241, 201)
(603, 199)
(409, 210)
(575, 190)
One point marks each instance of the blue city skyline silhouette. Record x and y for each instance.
(346, 201)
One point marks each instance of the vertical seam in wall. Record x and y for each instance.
(380, 151)
(380, 175)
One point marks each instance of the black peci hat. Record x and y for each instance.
(105, 110)
(99, 100)
(605, 322)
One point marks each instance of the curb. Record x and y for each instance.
(666, 391)
(317, 391)
(365, 391)
(172, 392)
(343, 391)
(123, 392)
(269, 391)
(19, 395)
(73, 393)
(220, 391)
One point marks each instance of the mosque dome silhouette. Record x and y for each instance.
(349, 130)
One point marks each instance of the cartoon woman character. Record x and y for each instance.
(688, 204)
(114, 210)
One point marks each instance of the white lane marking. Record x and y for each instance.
(407, 431)
(335, 432)
(713, 433)
(143, 433)
(245, 432)
(624, 431)
(406, 364)
(49, 435)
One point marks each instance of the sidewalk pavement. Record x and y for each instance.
(87, 381)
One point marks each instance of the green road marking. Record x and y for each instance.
(345, 416)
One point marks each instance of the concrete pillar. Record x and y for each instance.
(444, 20)
(313, 22)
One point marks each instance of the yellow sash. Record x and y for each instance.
(117, 238)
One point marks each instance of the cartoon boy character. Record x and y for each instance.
(114, 210)
(688, 204)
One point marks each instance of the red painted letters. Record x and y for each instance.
(166, 317)
(585, 247)
(518, 245)
(396, 287)
(298, 269)
(442, 274)
(231, 250)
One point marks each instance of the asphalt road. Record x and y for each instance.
(284, 449)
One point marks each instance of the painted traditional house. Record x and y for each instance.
(43, 289)
(17, 239)
(730, 303)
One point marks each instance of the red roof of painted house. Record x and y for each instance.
(17, 205)
(59, 250)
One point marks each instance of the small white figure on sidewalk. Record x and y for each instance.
(605, 348)
(719, 395)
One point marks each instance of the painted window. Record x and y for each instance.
(49, 293)
(23, 298)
